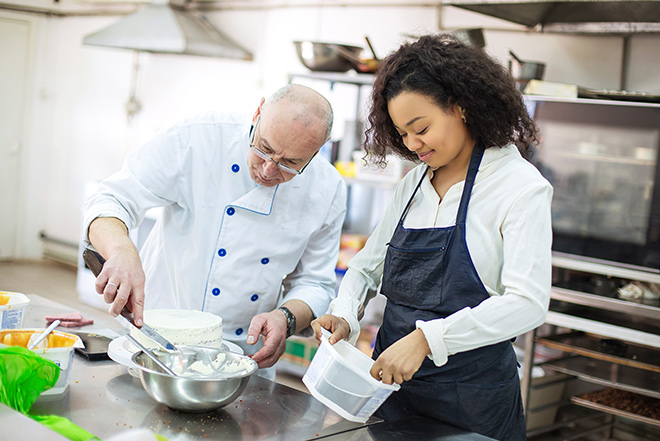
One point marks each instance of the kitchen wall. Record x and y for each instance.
(76, 126)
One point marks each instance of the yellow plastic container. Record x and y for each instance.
(57, 346)
(12, 309)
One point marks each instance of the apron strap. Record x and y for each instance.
(412, 196)
(473, 168)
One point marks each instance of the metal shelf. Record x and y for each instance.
(595, 266)
(644, 402)
(606, 303)
(607, 374)
(636, 356)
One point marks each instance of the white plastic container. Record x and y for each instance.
(338, 376)
(57, 347)
(12, 309)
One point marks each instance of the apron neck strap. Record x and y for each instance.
(473, 168)
(412, 196)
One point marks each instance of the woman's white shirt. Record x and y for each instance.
(509, 237)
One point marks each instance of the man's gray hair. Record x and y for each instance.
(309, 102)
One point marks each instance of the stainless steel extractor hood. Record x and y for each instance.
(168, 28)
(572, 16)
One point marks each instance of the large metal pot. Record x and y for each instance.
(326, 57)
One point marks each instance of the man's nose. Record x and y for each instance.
(270, 168)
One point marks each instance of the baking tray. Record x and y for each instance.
(585, 402)
(608, 374)
(589, 345)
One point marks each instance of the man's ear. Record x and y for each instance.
(258, 111)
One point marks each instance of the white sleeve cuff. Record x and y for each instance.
(348, 310)
(433, 331)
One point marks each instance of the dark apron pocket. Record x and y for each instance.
(412, 275)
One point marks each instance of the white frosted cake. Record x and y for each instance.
(182, 327)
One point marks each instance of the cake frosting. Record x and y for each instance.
(182, 327)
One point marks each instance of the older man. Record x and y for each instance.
(251, 221)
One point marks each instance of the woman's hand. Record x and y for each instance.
(337, 325)
(400, 361)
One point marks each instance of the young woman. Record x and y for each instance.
(463, 251)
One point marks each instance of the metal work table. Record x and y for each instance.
(105, 399)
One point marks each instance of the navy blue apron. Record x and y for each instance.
(429, 274)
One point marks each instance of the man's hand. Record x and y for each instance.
(401, 360)
(338, 326)
(272, 325)
(121, 281)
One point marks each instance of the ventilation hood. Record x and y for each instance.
(168, 28)
(572, 16)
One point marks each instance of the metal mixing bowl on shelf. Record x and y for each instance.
(223, 378)
(326, 57)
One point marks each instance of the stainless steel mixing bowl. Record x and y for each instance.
(193, 394)
(326, 57)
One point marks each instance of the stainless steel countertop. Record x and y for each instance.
(105, 399)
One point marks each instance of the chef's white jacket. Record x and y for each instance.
(509, 236)
(224, 244)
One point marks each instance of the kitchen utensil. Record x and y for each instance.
(95, 262)
(193, 394)
(44, 334)
(363, 65)
(149, 332)
(151, 355)
(96, 346)
(323, 57)
(371, 48)
(515, 57)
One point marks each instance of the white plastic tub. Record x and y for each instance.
(338, 376)
(12, 309)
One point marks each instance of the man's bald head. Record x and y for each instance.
(307, 105)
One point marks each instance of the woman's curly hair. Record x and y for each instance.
(450, 73)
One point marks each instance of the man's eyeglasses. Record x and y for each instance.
(266, 157)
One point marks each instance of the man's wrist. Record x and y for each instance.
(290, 321)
